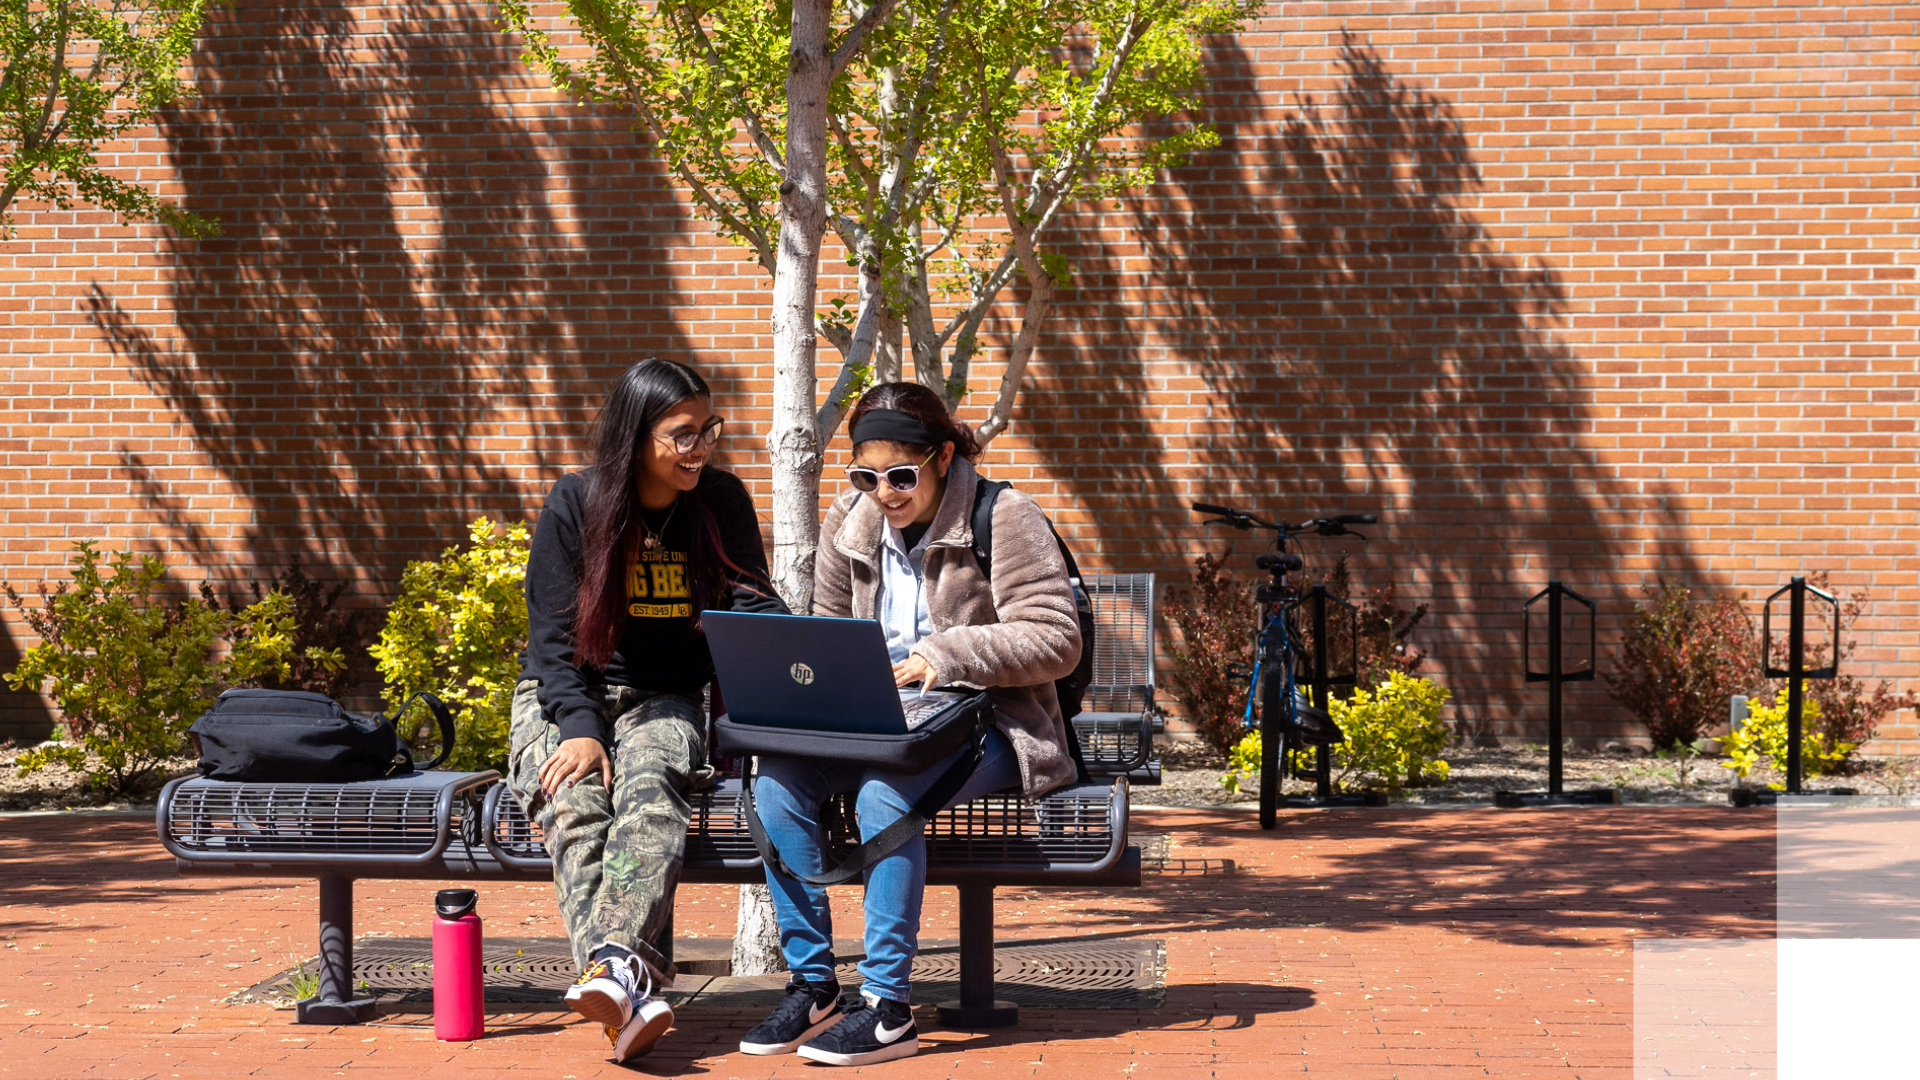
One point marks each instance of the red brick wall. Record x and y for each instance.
(1595, 291)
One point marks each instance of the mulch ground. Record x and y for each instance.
(1353, 943)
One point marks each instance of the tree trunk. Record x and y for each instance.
(756, 934)
(889, 362)
(793, 444)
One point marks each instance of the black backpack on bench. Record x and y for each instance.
(293, 737)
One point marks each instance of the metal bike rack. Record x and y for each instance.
(1321, 678)
(1555, 676)
(1796, 673)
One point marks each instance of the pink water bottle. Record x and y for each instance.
(457, 991)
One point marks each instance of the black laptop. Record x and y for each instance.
(818, 674)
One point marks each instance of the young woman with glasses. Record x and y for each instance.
(607, 732)
(898, 548)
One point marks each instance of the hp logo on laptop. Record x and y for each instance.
(801, 673)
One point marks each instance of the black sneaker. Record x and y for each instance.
(809, 1009)
(871, 1032)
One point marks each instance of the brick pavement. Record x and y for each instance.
(1359, 944)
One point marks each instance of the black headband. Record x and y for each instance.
(892, 425)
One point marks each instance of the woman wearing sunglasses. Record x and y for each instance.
(898, 548)
(607, 732)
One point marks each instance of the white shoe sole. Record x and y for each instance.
(603, 1004)
(772, 1049)
(649, 1022)
(903, 1048)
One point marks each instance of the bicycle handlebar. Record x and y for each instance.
(1241, 519)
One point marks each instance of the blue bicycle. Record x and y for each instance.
(1287, 721)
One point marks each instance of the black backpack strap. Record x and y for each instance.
(442, 717)
(983, 499)
(890, 839)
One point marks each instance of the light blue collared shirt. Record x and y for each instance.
(901, 605)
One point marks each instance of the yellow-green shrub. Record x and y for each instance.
(130, 668)
(1394, 734)
(456, 630)
(1764, 738)
(1394, 737)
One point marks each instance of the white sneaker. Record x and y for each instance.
(651, 1019)
(606, 992)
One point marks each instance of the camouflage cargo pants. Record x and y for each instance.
(616, 856)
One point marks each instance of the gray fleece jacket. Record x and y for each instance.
(1012, 636)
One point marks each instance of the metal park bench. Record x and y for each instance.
(442, 825)
(1116, 729)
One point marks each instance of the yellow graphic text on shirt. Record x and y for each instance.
(657, 585)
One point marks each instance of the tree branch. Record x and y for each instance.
(30, 141)
(1056, 186)
(899, 202)
(1047, 196)
(752, 234)
(859, 354)
(857, 35)
(769, 152)
(856, 164)
(928, 368)
(1039, 298)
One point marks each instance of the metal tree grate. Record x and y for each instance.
(1125, 974)
(396, 971)
(398, 974)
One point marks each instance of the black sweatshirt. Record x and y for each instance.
(660, 648)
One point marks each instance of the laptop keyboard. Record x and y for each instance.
(919, 710)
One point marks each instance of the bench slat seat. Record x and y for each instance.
(1076, 830)
(717, 836)
(442, 825)
(407, 821)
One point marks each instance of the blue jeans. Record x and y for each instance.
(790, 793)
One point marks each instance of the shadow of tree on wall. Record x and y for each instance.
(24, 717)
(1365, 344)
(431, 269)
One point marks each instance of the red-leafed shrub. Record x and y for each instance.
(1384, 631)
(1214, 614)
(1682, 656)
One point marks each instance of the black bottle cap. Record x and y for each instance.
(455, 903)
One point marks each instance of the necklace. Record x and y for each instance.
(655, 538)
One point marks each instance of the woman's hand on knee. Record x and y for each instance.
(575, 760)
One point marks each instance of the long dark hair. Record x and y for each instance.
(643, 394)
(923, 405)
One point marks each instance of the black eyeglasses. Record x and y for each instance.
(684, 442)
(901, 478)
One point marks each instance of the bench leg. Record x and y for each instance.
(335, 1003)
(977, 1007)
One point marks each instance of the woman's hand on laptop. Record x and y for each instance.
(914, 670)
(575, 760)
